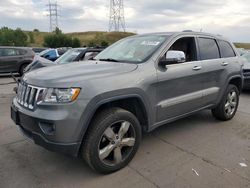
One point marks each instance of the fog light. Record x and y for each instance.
(47, 128)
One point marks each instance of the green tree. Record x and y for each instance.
(31, 37)
(10, 37)
(58, 39)
(76, 43)
(104, 43)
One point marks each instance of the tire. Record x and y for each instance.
(228, 106)
(102, 149)
(22, 69)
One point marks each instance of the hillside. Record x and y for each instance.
(242, 45)
(89, 37)
(86, 38)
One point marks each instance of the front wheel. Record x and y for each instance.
(112, 140)
(228, 105)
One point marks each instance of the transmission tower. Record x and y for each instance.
(53, 15)
(116, 16)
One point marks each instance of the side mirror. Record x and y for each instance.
(173, 57)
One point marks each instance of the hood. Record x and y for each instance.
(39, 62)
(69, 74)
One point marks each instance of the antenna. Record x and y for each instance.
(53, 15)
(116, 16)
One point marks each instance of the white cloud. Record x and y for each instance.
(226, 17)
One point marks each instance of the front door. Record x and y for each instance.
(180, 86)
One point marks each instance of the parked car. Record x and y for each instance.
(246, 71)
(72, 55)
(15, 59)
(241, 51)
(38, 50)
(98, 109)
(53, 54)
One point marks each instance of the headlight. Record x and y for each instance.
(56, 95)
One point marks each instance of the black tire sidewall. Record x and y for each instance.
(119, 115)
(21, 71)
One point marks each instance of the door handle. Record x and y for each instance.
(196, 68)
(224, 64)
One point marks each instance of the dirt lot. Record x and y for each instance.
(197, 151)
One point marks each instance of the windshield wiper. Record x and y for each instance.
(109, 59)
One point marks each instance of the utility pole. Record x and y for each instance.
(53, 15)
(116, 16)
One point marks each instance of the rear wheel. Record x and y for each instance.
(228, 105)
(112, 140)
(22, 69)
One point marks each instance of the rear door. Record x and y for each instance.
(9, 59)
(215, 72)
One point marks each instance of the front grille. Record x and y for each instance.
(28, 95)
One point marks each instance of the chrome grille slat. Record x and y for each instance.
(27, 95)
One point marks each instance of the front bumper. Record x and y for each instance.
(56, 131)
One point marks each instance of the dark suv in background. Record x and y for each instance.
(15, 59)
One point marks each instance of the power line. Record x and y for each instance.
(53, 15)
(116, 16)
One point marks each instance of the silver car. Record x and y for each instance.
(99, 109)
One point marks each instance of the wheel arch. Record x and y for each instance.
(131, 102)
(237, 81)
(23, 63)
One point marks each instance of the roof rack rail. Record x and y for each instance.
(187, 31)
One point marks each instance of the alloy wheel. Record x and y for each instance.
(231, 103)
(116, 143)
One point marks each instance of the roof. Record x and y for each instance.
(187, 32)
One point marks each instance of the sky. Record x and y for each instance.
(229, 18)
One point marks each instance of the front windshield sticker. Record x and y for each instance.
(150, 43)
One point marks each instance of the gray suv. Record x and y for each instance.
(98, 110)
(15, 59)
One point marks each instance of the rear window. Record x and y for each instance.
(208, 49)
(226, 49)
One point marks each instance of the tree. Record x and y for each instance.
(76, 43)
(10, 37)
(58, 39)
(31, 37)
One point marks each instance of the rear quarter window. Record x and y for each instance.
(208, 48)
(226, 49)
(21, 52)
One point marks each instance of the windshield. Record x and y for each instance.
(69, 56)
(44, 52)
(135, 49)
(247, 56)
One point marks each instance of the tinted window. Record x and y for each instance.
(50, 54)
(208, 49)
(7, 52)
(226, 49)
(186, 45)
